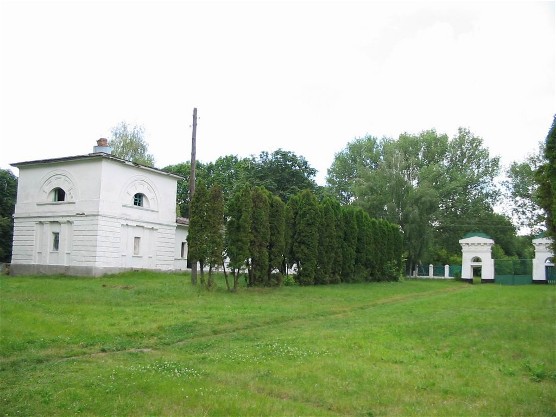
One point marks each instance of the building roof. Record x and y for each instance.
(93, 156)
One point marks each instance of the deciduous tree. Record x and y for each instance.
(546, 178)
(520, 194)
(283, 173)
(129, 143)
(349, 165)
(426, 183)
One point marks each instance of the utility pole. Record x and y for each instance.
(192, 184)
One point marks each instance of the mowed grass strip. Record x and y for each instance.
(152, 344)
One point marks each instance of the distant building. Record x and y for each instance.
(476, 257)
(543, 264)
(96, 214)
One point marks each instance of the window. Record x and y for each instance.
(183, 249)
(58, 194)
(138, 200)
(55, 241)
(136, 245)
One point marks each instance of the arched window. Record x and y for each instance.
(139, 192)
(58, 194)
(138, 200)
(476, 259)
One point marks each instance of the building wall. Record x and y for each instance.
(181, 248)
(97, 229)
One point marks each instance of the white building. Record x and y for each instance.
(96, 214)
(544, 259)
(476, 257)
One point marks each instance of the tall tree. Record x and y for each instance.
(328, 241)
(520, 194)
(337, 252)
(8, 195)
(184, 169)
(283, 173)
(277, 240)
(238, 231)
(260, 237)
(349, 243)
(198, 237)
(362, 243)
(359, 156)
(546, 178)
(305, 243)
(292, 210)
(230, 172)
(426, 183)
(214, 227)
(128, 143)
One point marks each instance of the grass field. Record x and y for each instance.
(153, 345)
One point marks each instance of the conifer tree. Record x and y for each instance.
(327, 242)
(292, 208)
(349, 243)
(260, 237)
(361, 246)
(214, 226)
(337, 253)
(238, 231)
(277, 242)
(197, 238)
(305, 245)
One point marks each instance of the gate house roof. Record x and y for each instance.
(476, 234)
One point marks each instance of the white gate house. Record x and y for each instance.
(477, 256)
(544, 259)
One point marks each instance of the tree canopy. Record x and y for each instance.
(520, 191)
(546, 178)
(283, 173)
(426, 183)
(128, 143)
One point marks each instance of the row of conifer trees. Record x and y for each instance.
(305, 241)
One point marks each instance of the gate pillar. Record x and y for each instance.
(543, 258)
(476, 252)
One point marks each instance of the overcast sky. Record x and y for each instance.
(307, 77)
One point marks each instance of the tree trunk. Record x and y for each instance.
(226, 275)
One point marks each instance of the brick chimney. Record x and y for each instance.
(102, 146)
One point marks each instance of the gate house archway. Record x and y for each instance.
(475, 254)
(544, 259)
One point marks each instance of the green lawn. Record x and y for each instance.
(153, 345)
